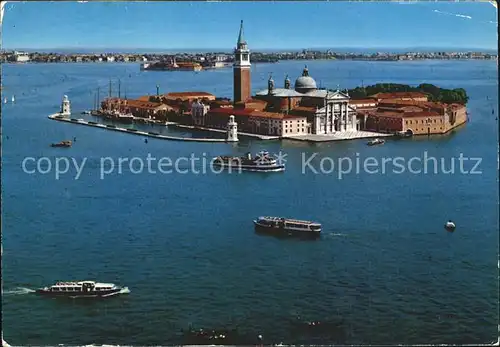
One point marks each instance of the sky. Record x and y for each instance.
(267, 25)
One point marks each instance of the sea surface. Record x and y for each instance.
(383, 272)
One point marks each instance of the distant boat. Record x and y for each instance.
(450, 226)
(5, 100)
(403, 134)
(65, 143)
(376, 142)
(13, 98)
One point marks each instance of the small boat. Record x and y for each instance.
(86, 112)
(126, 118)
(450, 226)
(262, 162)
(287, 226)
(66, 143)
(375, 142)
(89, 289)
(13, 99)
(4, 100)
(402, 134)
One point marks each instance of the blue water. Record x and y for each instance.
(383, 272)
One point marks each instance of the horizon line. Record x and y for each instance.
(219, 49)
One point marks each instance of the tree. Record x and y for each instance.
(458, 95)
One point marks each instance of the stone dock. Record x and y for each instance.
(257, 136)
(152, 134)
(339, 136)
(59, 117)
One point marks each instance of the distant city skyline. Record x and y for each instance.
(202, 26)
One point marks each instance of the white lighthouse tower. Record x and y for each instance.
(232, 130)
(65, 106)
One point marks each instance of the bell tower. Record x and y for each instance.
(241, 69)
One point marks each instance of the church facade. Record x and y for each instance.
(327, 111)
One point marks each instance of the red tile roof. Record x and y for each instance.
(249, 112)
(272, 115)
(256, 101)
(403, 115)
(362, 101)
(188, 94)
(406, 103)
(421, 114)
(288, 117)
(136, 103)
(305, 108)
(232, 111)
(141, 103)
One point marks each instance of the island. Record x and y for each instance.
(300, 111)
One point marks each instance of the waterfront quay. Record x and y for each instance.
(111, 127)
(153, 134)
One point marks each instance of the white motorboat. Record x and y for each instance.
(450, 226)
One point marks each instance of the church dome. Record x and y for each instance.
(305, 83)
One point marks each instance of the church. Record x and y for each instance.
(327, 112)
(301, 110)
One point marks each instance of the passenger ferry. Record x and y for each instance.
(82, 289)
(262, 162)
(287, 226)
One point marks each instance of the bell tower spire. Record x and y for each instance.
(241, 69)
(241, 39)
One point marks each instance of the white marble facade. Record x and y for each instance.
(335, 116)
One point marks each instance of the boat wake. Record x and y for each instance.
(335, 234)
(124, 290)
(18, 291)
